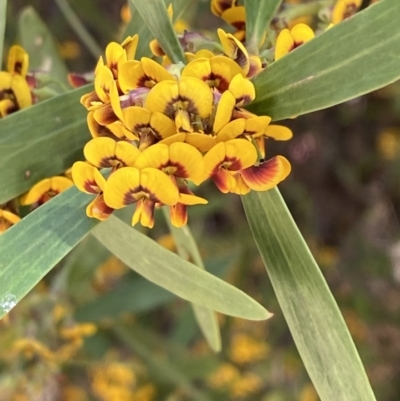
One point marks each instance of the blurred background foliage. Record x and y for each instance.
(94, 330)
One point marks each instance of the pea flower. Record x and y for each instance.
(15, 93)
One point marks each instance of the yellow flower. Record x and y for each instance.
(246, 385)
(15, 93)
(289, 40)
(147, 127)
(181, 100)
(245, 349)
(105, 152)
(219, 6)
(30, 348)
(145, 73)
(89, 180)
(77, 331)
(7, 219)
(217, 72)
(44, 190)
(344, 9)
(224, 376)
(234, 49)
(236, 16)
(146, 188)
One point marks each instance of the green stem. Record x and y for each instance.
(79, 28)
(303, 10)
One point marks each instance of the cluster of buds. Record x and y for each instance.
(163, 129)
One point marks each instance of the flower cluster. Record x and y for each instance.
(15, 93)
(163, 129)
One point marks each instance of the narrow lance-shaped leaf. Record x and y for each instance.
(31, 248)
(137, 25)
(3, 15)
(37, 40)
(348, 60)
(259, 14)
(317, 327)
(187, 247)
(171, 272)
(41, 141)
(155, 16)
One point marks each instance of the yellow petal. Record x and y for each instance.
(284, 44)
(87, 178)
(114, 51)
(154, 71)
(120, 186)
(301, 33)
(344, 9)
(256, 66)
(199, 68)
(21, 91)
(130, 75)
(18, 61)
(105, 152)
(235, 16)
(155, 156)
(241, 188)
(162, 98)
(135, 117)
(219, 6)
(256, 126)
(225, 69)
(278, 132)
(59, 184)
(234, 49)
(188, 161)
(144, 213)
(242, 89)
(98, 209)
(160, 187)
(180, 137)
(196, 95)
(130, 45)
(242, 152)
(36, 192)
(115, 102)
(231, 130)
(225, 108)
(162, 126)
(189, 199)
(202, 142)
(156, 48)
(267, 175)
(9, 216)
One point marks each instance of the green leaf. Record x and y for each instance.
(314, 319)
(171, 272)
(3, 15)
(137, 25)
(31, 248)
(41, 141)
(133, 295)
(187, 249)
(38, 41)
(259, 14)
(155, 15)
(336, 66)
